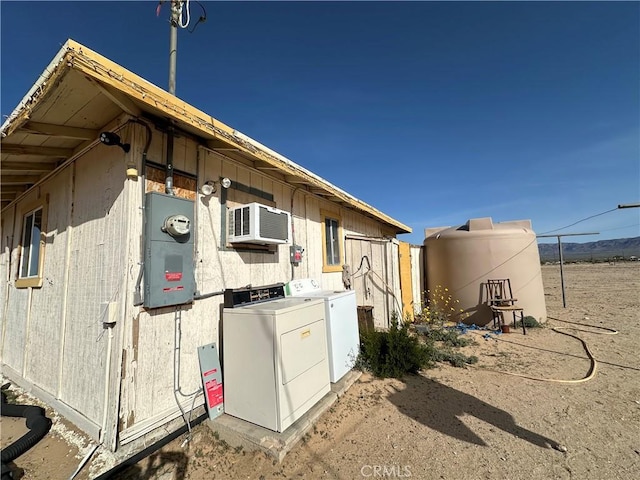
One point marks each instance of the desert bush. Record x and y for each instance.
(397, 351)
(529, 322)
(448, 337)
(393, 353)
(457, 359)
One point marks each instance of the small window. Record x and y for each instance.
(332, 250)
(31, 249)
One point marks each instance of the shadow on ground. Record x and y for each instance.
(440, 407)
(157, 465)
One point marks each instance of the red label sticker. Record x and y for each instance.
(210, 372)
(214, 393)
(173, 276)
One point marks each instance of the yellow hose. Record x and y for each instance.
(594, 363)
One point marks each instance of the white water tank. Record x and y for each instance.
(463, 258)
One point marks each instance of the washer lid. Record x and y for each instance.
(329, 294)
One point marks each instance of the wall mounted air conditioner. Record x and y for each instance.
(257, 223)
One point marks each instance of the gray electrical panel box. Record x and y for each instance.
(168, 257)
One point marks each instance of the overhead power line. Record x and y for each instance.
(584, 219)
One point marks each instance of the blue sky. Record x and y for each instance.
(432, 112)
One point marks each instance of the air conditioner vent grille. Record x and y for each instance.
(274, 224)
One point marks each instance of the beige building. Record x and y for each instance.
(75, 329)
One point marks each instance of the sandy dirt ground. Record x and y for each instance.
(449, 423)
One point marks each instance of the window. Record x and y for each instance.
(31, 249)
(332, 251)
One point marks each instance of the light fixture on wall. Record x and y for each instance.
(208, 188)
(110, 138)
(211, 186)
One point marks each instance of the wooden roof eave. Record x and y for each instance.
(115, 77)
(45, 83)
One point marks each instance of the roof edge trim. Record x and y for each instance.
(39, 85)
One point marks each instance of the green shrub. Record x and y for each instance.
(456, 359)
(529, 322)
(393, 353)
(449, 337)
(396, 352)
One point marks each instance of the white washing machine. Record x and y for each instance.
(275, 360)
(341, 314)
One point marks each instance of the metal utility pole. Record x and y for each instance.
(176, 11)
(564, 300)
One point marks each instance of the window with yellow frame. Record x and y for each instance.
(332, 242)
(32, 246)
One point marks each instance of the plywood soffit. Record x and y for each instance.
(62, 131)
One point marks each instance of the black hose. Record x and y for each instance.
(10, 410)
(37, 423)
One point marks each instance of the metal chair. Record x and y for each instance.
(500, 300)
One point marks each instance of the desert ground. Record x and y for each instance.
(479, 422)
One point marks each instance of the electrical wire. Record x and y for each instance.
(579, 221)
(176, 374)
(388, 287)
(360, 267)
(202, 19)
(182, 5)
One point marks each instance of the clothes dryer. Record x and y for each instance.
(275, 360)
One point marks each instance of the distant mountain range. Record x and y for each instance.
(600, 250)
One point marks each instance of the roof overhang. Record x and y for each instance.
(81, 91)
